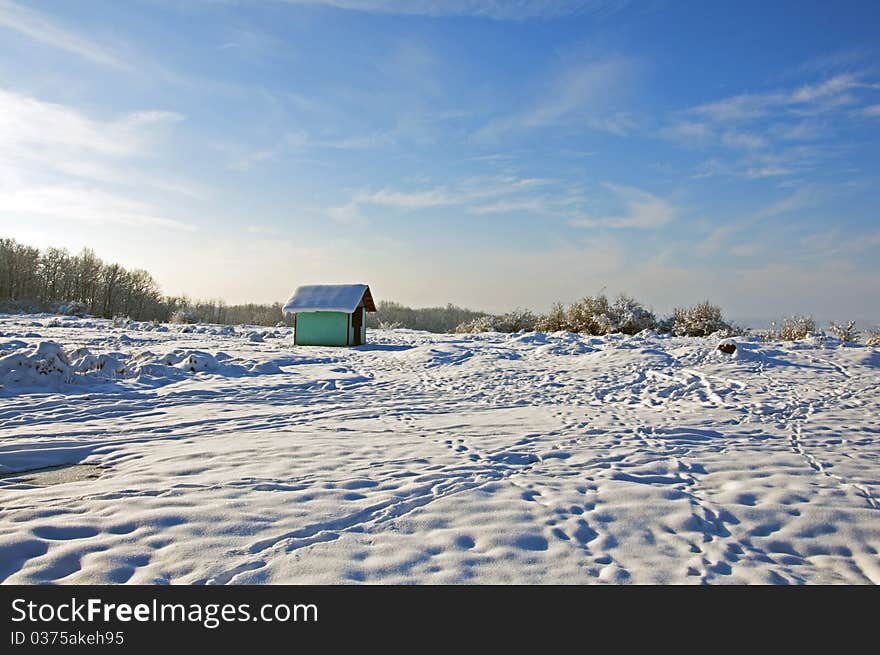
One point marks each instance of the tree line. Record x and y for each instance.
(432, 319)
(54, 280)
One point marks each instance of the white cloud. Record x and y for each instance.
(643, 211)
(872, 111)
(759, 172)
(687, 131)
(749, 249)
(38, 27)
(35, 128)
(619, 124)
(247, 162)
(509, 10)
(84, 204)
(743, 140)
(717, 238)
(805, 130)
(832, 87)
(533, 205)
(53, 157)
(410, 200)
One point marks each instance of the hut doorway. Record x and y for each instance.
(356, 323)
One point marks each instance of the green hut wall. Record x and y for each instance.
(329, 329)
(322, 329)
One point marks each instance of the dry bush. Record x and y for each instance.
(514, 321)
(847, 334)
(553, 321)
(873, 337)
(793, 328)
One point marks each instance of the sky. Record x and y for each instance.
(485, 153)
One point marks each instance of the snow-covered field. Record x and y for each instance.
(232, 456)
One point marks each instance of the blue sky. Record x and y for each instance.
(490, 154)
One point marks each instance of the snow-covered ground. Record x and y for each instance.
(233, 456)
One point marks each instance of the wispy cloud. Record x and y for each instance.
(582, 93)
(642, 210)
(799, 199)
(85, 204)
(244, 159)
(810, 98)
(721, 121)
(471, 194)
(251, 159)
(777, 133)
(723, 238)
(263, 230)
(509, 10)
(38, 27)
(412, 199)
(539, 205)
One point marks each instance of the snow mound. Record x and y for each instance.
(44, 361)
(48, 363)
(555, 343)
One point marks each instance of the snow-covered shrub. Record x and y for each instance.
(596, 315)
(701, 320)
(591, 315)
(478, 324)
(873, 337)
(847, 333)
(390, 325)
(185, 316)
(515, 321)
(628, 316)
(72, 308)
(793, 328)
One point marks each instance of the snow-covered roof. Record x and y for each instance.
(329, 298)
